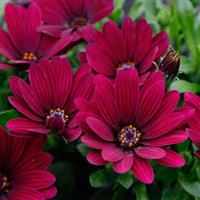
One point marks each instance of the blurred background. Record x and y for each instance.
(181, 20)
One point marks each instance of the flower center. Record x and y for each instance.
(58, 113)
(77, 22)
(128, 137)
(56, 119)
(125, 66)
(29, 57)
(4, 183)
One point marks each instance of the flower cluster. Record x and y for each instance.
(116, 102)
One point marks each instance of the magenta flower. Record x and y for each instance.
(23, 44)
(22, 169)
(48, 101)
(128, 125)
(72, 20)
(131, 46)
(194, 123)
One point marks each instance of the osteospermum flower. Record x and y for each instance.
(72, 20)
(128, 125)
(23, 169)
(132, 46)
(23, 44)
(194, 123)
(48, 101)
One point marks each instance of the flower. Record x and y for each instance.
(194, 123)
(170, 64)
(22, 164)
(127, 125)
(132, 46)
(72, 20)
(23, 44)
(48, 101)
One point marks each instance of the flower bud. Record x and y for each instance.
(170, 64)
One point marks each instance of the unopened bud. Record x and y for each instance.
(170, 64)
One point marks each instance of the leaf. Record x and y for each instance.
(192, 187)
(185, 86)
(7, 115)
(101, 178)
(140, 191)
(126, 180)
(83, 149)
(185, 65)
(65, 178)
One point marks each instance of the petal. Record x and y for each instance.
(163, 126)
(174, 137)
(95, 158)
(93, 141)
(33, 179)
(112, 153)
(172, 159)
(99, 9)
(101, 129)
(150, 102)
(14, 20)
(21, 193)
(192, 100)
(23, 109)
(124, 165)
(21, 125)
(142, 170)
(150, 152)
(72, 134)
(127, 94)
(104, 94)
(99, 61)
(197, 153)
(194, 136)
(49, 193)
(32, 21)
(6, 46)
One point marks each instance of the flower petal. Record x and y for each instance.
(150, 152)
(112, 153)
(172, 159)
(101, 129)
(142, 170)
(124, 165)
(95, 158)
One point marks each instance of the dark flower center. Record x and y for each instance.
(78, 22)
(4, 183)
(126, 65)
(56, 119)
(29, 57)
(128, 137)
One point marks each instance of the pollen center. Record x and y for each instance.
(58, 113)
(29, 57)
(4, 183)
(128, 137)
(125, 66)
(77, 22)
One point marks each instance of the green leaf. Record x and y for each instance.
(101, 178)
(7, 115)
(192, 187)
(185, 65)
(140, 191)
(83, 149)
(126, 180)
(185, 86)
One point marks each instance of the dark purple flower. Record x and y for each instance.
(23, 168)
(132, 46)
(72, 20)
(127, 125)
(48, 101)
(23, 44)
